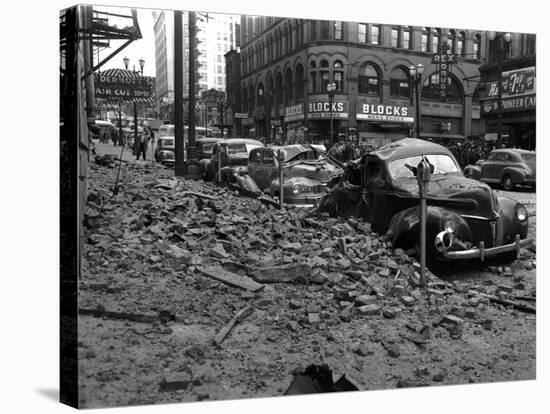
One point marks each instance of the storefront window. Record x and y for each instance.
(369, 81)
(399, 84)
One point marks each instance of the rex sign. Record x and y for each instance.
(443, 60)
(386, 113)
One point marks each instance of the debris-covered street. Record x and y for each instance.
(192, 292)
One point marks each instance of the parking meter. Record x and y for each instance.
(281, 160)
(423, 175)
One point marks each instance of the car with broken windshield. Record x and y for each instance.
(307, 173)
(232, 153)
(466, 218)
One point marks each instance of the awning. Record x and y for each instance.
(441, 136)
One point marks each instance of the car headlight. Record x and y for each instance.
(296, 189)
(449, 225)
(521, 212)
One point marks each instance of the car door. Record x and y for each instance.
(254, 166)
(379, 206)
(490, 169)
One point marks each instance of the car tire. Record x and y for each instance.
(507, 183)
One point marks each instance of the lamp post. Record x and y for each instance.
(141, 62)
(416, 77)
(267, 104)
(502, 43)
(331, 89)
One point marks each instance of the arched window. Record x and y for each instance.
(325, 75)
(245, 100)
(250, 98)
(260, 93)
(460, 44)
(369, 80)
(279, 89)
(312, 77)
(399, 84)
(338, 75)
(431, 89)
(288, 87)
(477, 48)
(299, 81)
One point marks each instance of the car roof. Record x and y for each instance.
(241, 141)
(293, 150)
(208, 139)
(513, 150)
(408, 147)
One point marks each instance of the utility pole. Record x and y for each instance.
(178, 93)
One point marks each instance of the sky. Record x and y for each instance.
(143, 48)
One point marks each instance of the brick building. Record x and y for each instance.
(286, 65)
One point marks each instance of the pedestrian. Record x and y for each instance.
(137, 146)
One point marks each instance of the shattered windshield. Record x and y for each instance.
(442, 164)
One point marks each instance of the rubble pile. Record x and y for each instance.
(223, 296)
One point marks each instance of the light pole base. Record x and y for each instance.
(190, 170)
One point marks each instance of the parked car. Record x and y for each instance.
(233, 152)
(103, 130)
(466, 218)
(508, 167)
(166, 130)
(307, 174)
(204, 152)
(165, 150)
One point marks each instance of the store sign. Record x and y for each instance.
(324, 110)
(510, 104)
(514, 83)
(294, 112)
(117, 88)
(443, 60)
(385, 113)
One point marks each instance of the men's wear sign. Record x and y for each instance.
(324, 110)
(294, 113)
(385, 113)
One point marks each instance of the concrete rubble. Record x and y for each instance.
(316, 284)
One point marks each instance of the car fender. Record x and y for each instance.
(517, 174)
(404, 227)
(510, 224)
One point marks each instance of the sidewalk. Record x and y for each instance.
(109, 148)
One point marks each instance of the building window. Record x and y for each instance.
(313, 77)
(477, 49)
(369, 82)
(406, 39)
(339, 75)
(436, 39)
(361, 33)
(325, 30)
(399, 84)
(375, 35)
(395, 38)
(425, 39)
(313, 31)
(338, 31)
(451, 41)
(431, 89)
(460, 44)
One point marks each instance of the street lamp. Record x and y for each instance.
(416, 77)
(141, 62)
(502, 43)
(331, 89)
(267, 103)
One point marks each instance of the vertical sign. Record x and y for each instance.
(443, 60)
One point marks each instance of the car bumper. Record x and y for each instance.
(482, 253)
(303, 201)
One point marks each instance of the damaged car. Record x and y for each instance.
(466, 218)
(307, 173)
(233, 153)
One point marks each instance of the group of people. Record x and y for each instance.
(142, 141)
(469, 151)
(349, 150)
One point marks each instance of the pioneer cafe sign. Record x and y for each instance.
(443, 60)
